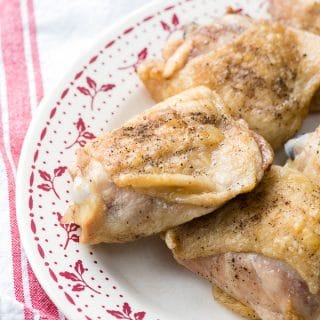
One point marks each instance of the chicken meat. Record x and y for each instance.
(200, 39)
(301, 14)
(178, 160)
(266, 74)
(261, 249)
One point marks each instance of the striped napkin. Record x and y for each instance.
(39, 40)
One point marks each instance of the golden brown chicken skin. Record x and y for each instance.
(200, 39)
(260, 249)
(301, 14)
(267, 76)
(176, 161)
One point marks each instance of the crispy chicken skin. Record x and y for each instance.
(261, 248)
(178, 160)
(267, 76)
(201, 39)
(301, 14)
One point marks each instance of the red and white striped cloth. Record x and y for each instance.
(39, 40)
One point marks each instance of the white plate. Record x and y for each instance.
(134, 281)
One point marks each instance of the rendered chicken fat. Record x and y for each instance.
(80, 190)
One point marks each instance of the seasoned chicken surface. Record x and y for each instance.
(267, 76)
(304, 154)
(201, 39)
(261, 248)
(301, 14)
(176, 161)
(270, 287)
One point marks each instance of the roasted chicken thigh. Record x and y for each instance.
(201, 39)
(178, 160)
(261, 250)
(301, 14)
(267, 75)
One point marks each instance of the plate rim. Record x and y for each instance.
(39, 114)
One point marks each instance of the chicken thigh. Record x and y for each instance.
(261, 249)
(267, 75)
(301, 14)
(201, 39)
(178, 160)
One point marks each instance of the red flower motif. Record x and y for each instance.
(139, 315)
(126, 308)
(70, 229)
(80, 125)
(126, 313)
(83, 135)
(107, 87)
(84, 91)
(79, 267)
(92, 84)
(142, 55)
(78, 287)
(44, 187)
(45, 175)
(69, 276)
(92, 91)
(175, 20)
(78, 277)
(165, 26)
(57, 172)
(117, 314)
(172, 26)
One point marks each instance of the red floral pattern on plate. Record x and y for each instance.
(77, 277)
(71, 230)
(172, 26)
(126, 313)
(82, 136)
(88, 287)
(142, 55)
(92, 90)
(49, 181)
